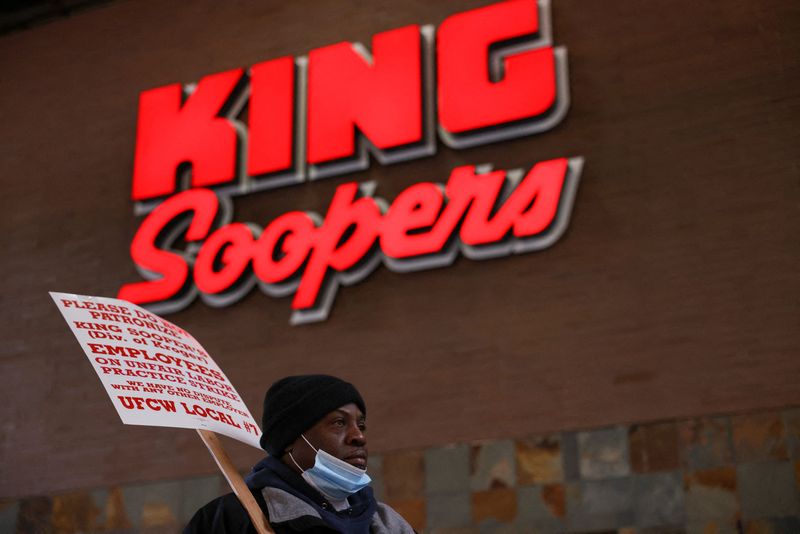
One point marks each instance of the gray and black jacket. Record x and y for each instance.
(292, 506)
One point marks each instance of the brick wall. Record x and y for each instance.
(672, 295)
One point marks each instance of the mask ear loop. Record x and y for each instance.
(309, 443)
(295, 461)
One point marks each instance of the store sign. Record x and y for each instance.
(155, 373)
(482, 76)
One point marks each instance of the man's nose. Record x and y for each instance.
(356, 436)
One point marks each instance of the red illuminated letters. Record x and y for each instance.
(485, 75)
(382, 96)
(487, 91)
(270, 143)
(167, 270)
(468, 98)
(417, 226)
(171, 133)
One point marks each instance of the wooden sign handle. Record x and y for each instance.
(235, 480)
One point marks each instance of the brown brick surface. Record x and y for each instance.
(672, 294)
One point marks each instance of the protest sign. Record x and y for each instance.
(154, 372)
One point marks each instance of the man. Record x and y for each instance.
(314, 479)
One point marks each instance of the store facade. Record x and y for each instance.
(554, 246)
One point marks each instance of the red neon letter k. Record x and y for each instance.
(170, 133)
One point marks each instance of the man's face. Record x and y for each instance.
(341, 433)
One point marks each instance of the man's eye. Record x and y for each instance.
(338, 422)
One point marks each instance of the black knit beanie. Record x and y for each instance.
(294, 404)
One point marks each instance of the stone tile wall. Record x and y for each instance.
(737, 474)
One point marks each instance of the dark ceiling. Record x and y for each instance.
(17, 15)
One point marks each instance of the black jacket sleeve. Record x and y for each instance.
(223, 515)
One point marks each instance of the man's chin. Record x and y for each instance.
(361, 463)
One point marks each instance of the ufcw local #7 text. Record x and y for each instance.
(141, 363)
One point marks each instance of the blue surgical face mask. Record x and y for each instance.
(334, 478)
